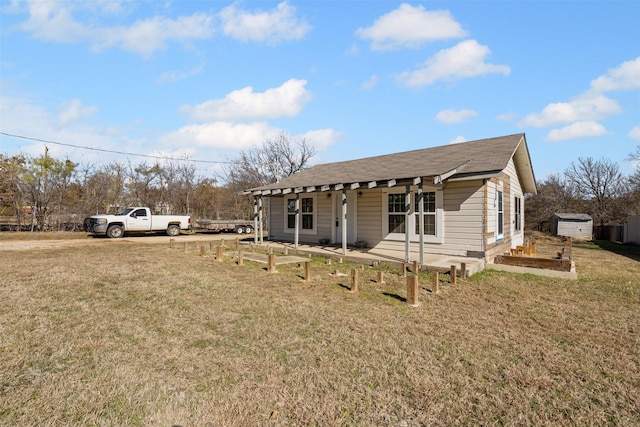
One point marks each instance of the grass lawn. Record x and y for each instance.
(140, 334)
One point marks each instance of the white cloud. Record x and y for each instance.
(624, 77)
(371, 83)
(464, 60)
(245, 104)
(577, 130)
(583, 108)
(222, 135)
(174, 76)
(451, 116)
(74, 110)
(410, 27)
(322, 138)
(281, 24)
(634, 133)
(506, 117)
(458, 139)
(54, 21)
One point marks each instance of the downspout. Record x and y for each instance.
(297, 221)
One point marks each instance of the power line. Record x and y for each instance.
(111, 151)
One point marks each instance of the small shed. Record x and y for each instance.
(632, 230)
(576, 225)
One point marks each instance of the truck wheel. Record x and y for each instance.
(239, 230)
(115, 231)
(173, 230)
(248, 229)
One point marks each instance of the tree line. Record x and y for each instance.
(593, 186)
(44, 193)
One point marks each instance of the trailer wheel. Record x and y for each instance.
(115, 231)
(248, 229)
(239, 230)
(173, 230)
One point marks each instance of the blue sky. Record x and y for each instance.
(206, 79)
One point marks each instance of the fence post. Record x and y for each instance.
(453, 274)
(354, 280)
(220, 254)
(185, 247)
(171, 243)
(463, 270)
(307, 271)
(435, 283)
(271, 263)
(240, 257)
(381, 277)
(412, 290)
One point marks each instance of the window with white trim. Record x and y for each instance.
(518, 214)
(394, 215)
(499, 214)
(307, 214)
(429, 213)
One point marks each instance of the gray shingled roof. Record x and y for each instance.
(574, 216)
(471, 158)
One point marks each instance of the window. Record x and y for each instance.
(396, 210)
(139, 212)
(518, 214)
(500, 214)
(429, 206)
(394, 226)
(307, 214)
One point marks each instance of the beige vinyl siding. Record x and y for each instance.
(325, 218)
(276, 217)
(462, 221)
(516, 191)
(370, 217)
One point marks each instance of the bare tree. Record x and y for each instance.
(601, 183)
(275, 159)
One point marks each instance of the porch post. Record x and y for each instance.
(260, 219)
(407, 232)
(344, 221)
(421, 220)
(296, 232)
(255, 219)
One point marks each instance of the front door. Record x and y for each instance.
(352, 198)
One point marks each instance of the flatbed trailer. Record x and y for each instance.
(238, 226)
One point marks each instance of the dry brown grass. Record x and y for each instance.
(139, 334)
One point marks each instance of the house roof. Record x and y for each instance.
(467, 160)
(574, 216)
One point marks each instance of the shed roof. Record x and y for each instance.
(574, 216)
(459, 161)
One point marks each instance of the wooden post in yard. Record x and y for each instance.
(412, 290)
(415, 267)
(171, 243)
(271, 263)
(354, 280)
(220, 254)
(201, 250)
(286, 250)
(307, 272)
(463, 270)
(185, 247)
(237, 243)
(453, 274)
(211, 246)
(435, 283)
(404, 269)
(240, 257)
(380, 277)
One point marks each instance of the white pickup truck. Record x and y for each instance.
(137, 220)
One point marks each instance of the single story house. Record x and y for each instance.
(464, 199)
(576, 225)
